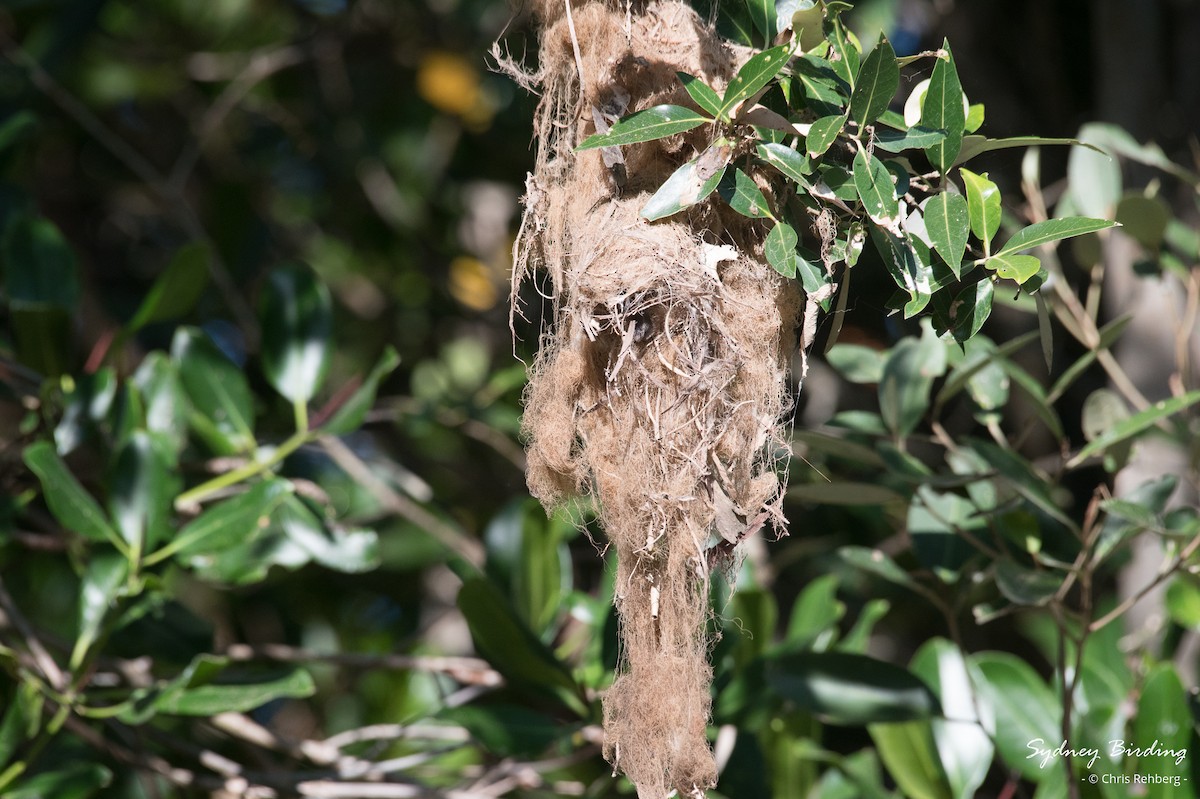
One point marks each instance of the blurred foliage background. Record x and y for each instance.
(368, 140)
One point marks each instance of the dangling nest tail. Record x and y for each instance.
(659, 387)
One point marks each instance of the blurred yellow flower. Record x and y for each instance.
(471, 283)
(451, 84)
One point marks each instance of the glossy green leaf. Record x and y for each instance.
(815, 614)
(213, 698)
(806, 21)
(911, 757)
(937, 523)
(177, 289)
(734, 23)
(974, 121)
(653, 123)
(164, 402)
(223, 407)
(970, 308)
(73, 507)
(906, 267)
(687, 186)
(1150, 497)
(511, 647)
(227, 522)
(780, 249)
(297, 323)
(350, 414)
(704, 95)
(844, 55)
(790, 163)
(1019, 268)
(845, 688)
(754, 75)
(874, 561)
(983, 205)
(963, 745)
(70, 781)
(762, 14)
(876, 84)
(144, 484)
(1027, 711)
(98, 592)
(1024, 586)
(526, 558)
(822, 133)
(1050, 230)
(948, 221)
(350, 551)
(942, 109)
(743, 195)
(875, 189)
(917, 137)
(1138, 423)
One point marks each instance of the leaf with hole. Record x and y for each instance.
(876, 84)
(653, 123)
(683, 189)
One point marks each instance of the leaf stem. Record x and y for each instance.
(206, 489)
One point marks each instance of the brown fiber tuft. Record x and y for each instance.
(660, 386)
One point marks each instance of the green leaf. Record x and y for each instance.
(1027, 711)
(1102, 410)
(73, 507)
(227, 522)
(526, 559)
(1093, 176)
(936, 523)
(908, 376)
(165, 405)
(1163, 717)
(977, 145)
(754, 75)
(822, 133)
(874, 561)
(948, 221)
(704, 95)
(350, 414)
(40, 269)
(917, 137)
(1050, 230)
(806, 22)
(857, 363)
(969, 309)
(176, 290)
(1024, 586)
(653, 123)
(687, 186)
(743, 195)
(1145, 219)
(974, 121)
(877, 82)
(790, 163)
(297, 321)
(74, 781)
(942, 109)
(780, 249)
(213, 698)
(845, 688)
(1134, 425)
(1183, 602)
(875, 189)
(1014, 267)
(983, 206)
(511, 647)
(963, 746)
(844, 55)
(815, 614)
(906, 267)
(348, 551)
(734, 23)
(762, 14)
(98, 592)
(910, 755)
(144, 484)
(220, 396)
(506, 730)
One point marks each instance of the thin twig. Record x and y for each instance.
(45, 663)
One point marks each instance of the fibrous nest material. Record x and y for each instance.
(660, 383)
